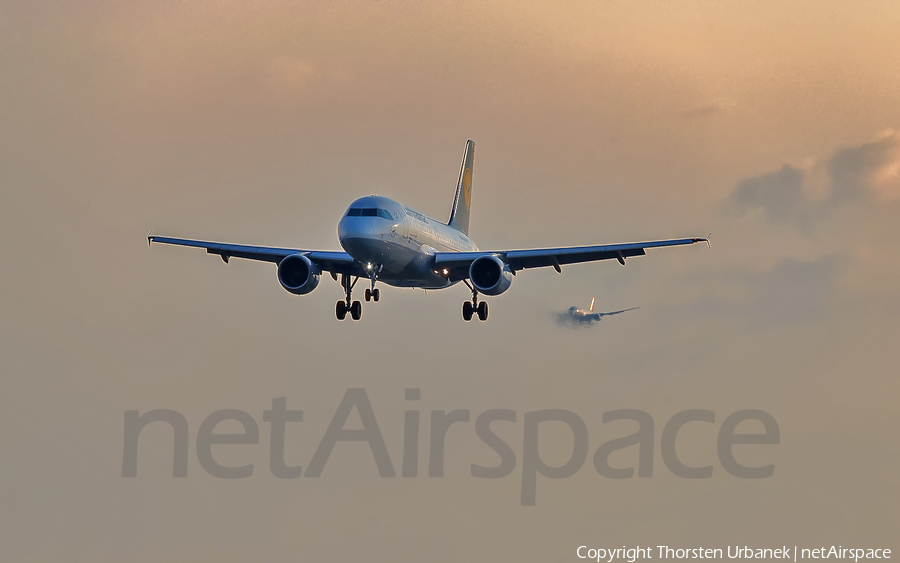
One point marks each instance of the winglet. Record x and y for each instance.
(706, 240)
(708, 237)
(149, 238)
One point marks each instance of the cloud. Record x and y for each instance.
(288, 73)
(792, 292)
(866, 170)
(778, 194)
(868, 173)
(709, 109)
(795, 291)
(844, 206)
(702, 111)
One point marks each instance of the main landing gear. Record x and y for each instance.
(472, 307)
(343, 307)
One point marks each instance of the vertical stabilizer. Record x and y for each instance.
(462, 203)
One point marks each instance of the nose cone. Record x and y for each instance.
(355, 227)
(357, 236)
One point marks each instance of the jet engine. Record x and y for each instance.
(298, 274)
(490, 275)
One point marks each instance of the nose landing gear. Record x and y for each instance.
(374, 293)
(472, 307)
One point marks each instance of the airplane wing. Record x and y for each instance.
(328, 260)
(616, 312)
(459, 262)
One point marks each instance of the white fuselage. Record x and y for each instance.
(399, 243)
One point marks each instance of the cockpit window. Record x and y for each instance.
(369, 212)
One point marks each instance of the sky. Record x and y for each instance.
(774, 126)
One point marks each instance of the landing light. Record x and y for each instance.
(369, 266)
(445, 271)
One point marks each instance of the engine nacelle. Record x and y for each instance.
(490, 275)
(298, 274)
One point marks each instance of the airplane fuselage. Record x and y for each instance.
(398, 242)
(582, 316)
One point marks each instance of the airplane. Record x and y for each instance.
(385, 241)
(577, 316)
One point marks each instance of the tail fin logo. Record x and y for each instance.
(467, 187)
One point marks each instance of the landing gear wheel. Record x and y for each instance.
(344, 307)
(376, 294)
(369, 294)
(483, 310)
(467, 311)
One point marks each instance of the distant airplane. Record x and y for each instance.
(577, 316)
(386, 241)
